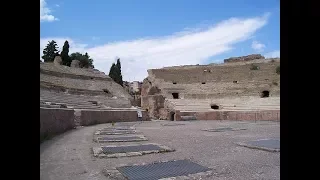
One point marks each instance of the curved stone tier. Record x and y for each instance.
(243, 85)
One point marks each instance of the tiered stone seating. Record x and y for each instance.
(236, 104)
(81, 101)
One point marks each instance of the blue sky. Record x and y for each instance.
(156, 33)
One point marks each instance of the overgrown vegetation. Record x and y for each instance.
(115, 72)
(50, 52)
(278, 70)
(85, 60)
(254, 67)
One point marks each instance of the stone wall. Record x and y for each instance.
(91, 117)
(244, 58)
(216, 81)
(272, 115)
(55, 121)
(244, 77)
(228, 72)
(69, 70)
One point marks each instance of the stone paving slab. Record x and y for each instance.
(115, 173)
(114, 128)
(173, 124)
(103, 139)
(223, 129)
(99, 152)
(271, 145)
(99, 132)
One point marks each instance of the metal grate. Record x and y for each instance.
(161, 170)
(117, 128)
(120, 138)
(220, 129)
(266, 143)
(125, 149)
(172, 124)
(116, 132)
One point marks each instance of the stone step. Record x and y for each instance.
(188, 118)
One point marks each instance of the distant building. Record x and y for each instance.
(135, 86)
(132, 87)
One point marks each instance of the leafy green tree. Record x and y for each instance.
(50, 51)
(85, 60)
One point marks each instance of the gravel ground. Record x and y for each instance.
(69, 155)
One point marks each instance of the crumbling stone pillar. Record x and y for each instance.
(177, 115)
(57, 60)
(75, 63)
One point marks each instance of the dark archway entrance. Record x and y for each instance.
(175, 95)
(172, 116)
(214, 106)
(265, 94)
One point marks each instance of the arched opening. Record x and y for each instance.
(265, 94)
(106, 91)
(172, 116)
(214, 106)
(175, 95)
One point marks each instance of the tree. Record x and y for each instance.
(50, 52)
(85, 60)
(115, 72)
(119, 74)
(65, 54)
(112, 72)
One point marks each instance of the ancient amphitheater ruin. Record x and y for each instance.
(71, 97)
(243, 88)
(226, 123)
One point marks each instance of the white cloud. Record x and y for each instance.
(193, 47)
(257, 46)
(273, 54)
(57, 5)
(45, 12)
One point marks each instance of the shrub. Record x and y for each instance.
(254, 67)
(278, 70)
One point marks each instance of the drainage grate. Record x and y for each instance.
(266, 143)
(118, 128)
(116, 132)
(172, 124)
(161, 170)
(124, 149)
(123, 138)
(220, 129)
